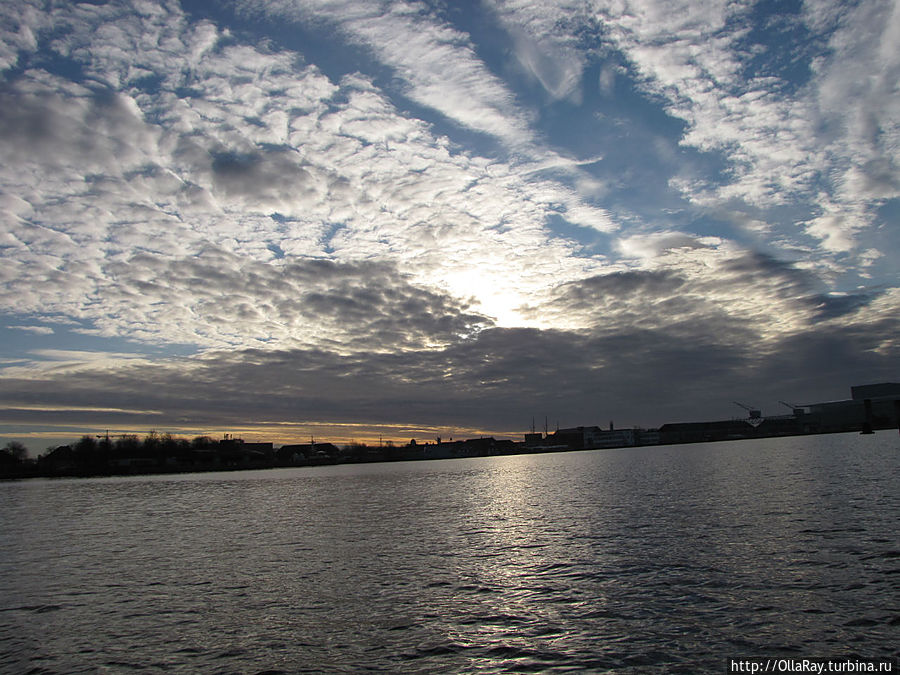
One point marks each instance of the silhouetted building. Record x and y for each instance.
(306, 453)
(473, 447)
(59, 460)
(721, 430)
(890, 390)
(871, 406)
(235, 452)
(594, 437)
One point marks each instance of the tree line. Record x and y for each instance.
(101, 454)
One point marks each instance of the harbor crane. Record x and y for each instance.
(796, 409)
(755, 418)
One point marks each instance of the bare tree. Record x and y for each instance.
(16, 450)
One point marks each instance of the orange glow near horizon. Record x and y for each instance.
(278, 433)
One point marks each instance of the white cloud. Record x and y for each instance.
(870, 256)
(100, 176)
(437, 62)
(543, 46)
(857, 93)
(650, 247)
(688, 54)
(22, 22)
(834, 232)
(50, 363)
(37, 330)
(75, 408)
(784, 144)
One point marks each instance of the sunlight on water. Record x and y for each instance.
(664, 559)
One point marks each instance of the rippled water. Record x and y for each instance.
(666, 559)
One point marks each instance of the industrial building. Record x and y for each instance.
(870, 407)
(594, 437)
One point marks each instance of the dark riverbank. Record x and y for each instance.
(166, 455)
(870, 408)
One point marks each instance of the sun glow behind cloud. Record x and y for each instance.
(492, 294)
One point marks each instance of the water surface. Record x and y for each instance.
(666, 559)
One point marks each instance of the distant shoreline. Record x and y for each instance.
(870, 408)
(481, 447)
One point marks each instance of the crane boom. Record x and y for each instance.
(755, 418)
(796, 409)
(754, 412)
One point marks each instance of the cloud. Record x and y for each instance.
(94, 129)
(37, 330)
(272, 179)
(545, 40)
(651, 246)
(51, 363)
(335, 243)
(857, 91)
(834, 232)
(742, 301)
(250, 152)
(640, 346)
(691, 55)
(559, 76)
(23, 22)
(642, 372)
(217, 298)
(441, 70)
(786, 136)
(436, 62)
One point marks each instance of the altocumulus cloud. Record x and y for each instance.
(298, 213)
(223, 299)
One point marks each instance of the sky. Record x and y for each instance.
(352, 219)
